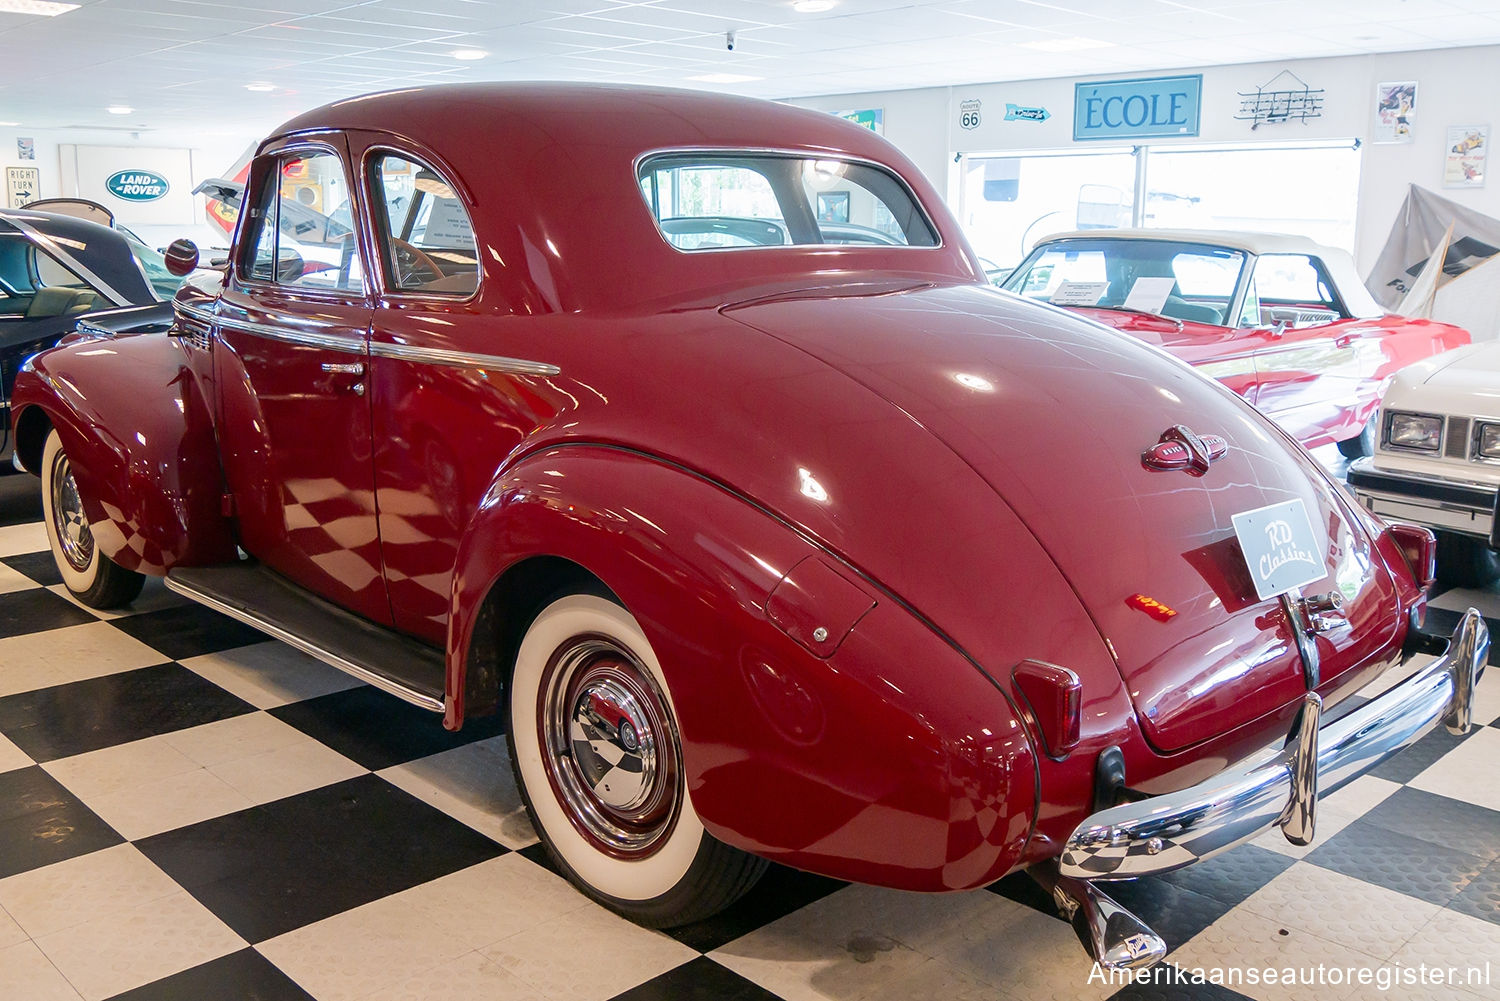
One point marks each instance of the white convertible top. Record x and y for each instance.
(1340, 265)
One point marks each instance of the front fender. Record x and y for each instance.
(892, 761)
(140, 435)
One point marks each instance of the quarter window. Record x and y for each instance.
(426, 240)
(306, 236)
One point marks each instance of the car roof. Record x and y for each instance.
(1253, 243)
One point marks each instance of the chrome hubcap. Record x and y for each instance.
(611, 748)
(68, 519)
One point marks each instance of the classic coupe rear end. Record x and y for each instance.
(818, 550)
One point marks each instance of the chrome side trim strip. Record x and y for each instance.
(72, 262)
(307, 646)
(462, 359)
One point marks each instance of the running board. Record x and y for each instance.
(378, 655)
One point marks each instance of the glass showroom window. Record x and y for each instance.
(1010, 203)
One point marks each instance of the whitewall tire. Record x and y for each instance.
(598, 760)
(89, 576)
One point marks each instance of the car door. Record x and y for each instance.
(1308, 368)
(293, 324)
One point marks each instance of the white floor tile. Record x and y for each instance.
(14, 580)
(286, 771)
(1487, 698)
(470, 977)
(111, 770)
(26, 973)
(73, 653)
(269, 674)
(12, 756)
(621, 955)
(18, 539)
(1360, 915)
(10, 932)
(234, 738)
(1246, 941)
(1458, 943)
(125, 949)
(386, 943)
(1468, 772)
(83, 889)
(472, 784)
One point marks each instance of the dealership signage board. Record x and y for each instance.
(142, 186)
(1137, 109)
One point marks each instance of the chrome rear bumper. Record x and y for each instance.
(1164, 833)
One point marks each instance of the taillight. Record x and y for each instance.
(1419, 548)
(1055, 697)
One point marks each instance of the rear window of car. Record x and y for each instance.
(721, 200)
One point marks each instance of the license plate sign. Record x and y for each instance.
(1282, 551)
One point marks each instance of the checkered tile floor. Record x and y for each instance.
(191, 811)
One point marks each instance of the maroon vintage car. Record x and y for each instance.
(1281, 320)
(820, 551)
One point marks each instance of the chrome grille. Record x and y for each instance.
(1456, 445)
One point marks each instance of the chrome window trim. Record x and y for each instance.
(71, 262)
(802, 154)
(367, 164)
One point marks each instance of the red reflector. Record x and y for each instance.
(1419, 548)
(1055, 697)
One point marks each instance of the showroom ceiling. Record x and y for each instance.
(169, 65)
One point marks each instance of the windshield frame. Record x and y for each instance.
(1231, 310)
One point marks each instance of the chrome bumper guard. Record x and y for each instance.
(1167, 832)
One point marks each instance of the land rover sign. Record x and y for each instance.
(137, 185)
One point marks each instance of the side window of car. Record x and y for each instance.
(306, 235)
(426, 240)
(1297, 289)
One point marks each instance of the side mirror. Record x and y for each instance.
(181, 257)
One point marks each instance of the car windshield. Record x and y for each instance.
(717, 200)
(154, 267)
(1184, 281)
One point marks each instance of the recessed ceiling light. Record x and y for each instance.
(119, 109)
(260, 87)
(725, 78)
(812, 6)
(1075, 44)
(8, 125)
(41, 8)
(468, 54)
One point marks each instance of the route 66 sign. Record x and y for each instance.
(968, 114)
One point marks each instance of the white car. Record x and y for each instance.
(1437, 458)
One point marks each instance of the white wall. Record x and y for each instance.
(1455, 87)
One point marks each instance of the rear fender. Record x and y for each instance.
(892, 760)
(139, 433)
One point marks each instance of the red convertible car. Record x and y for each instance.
(823, 552)
(1281, 320)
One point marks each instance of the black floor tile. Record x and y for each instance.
(58, 722)
(1169, 983)
(1481, 898)
(40, 567)
(20, 498)
(700, 979)
(379, 730)
(1417, 758)
(779, 892)
(1024, 890)
(38, 609)
(1398, 862)
(1450, 823)
(1169, 910)
(276, 867)
(1233, 876)
(240, 976)
(41, 822)
(1442, 622)
(538, 853)
(188, 631)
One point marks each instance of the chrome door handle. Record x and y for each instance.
(344, 368)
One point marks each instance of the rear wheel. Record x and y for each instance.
(1361, 444)
(89, 575)
(1463, 561)
(598, 761)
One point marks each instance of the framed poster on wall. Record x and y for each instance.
(1395, 111)
(1464, 153)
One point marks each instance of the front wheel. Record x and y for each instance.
(1361, 444)
(88, 574)
(598, 760)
